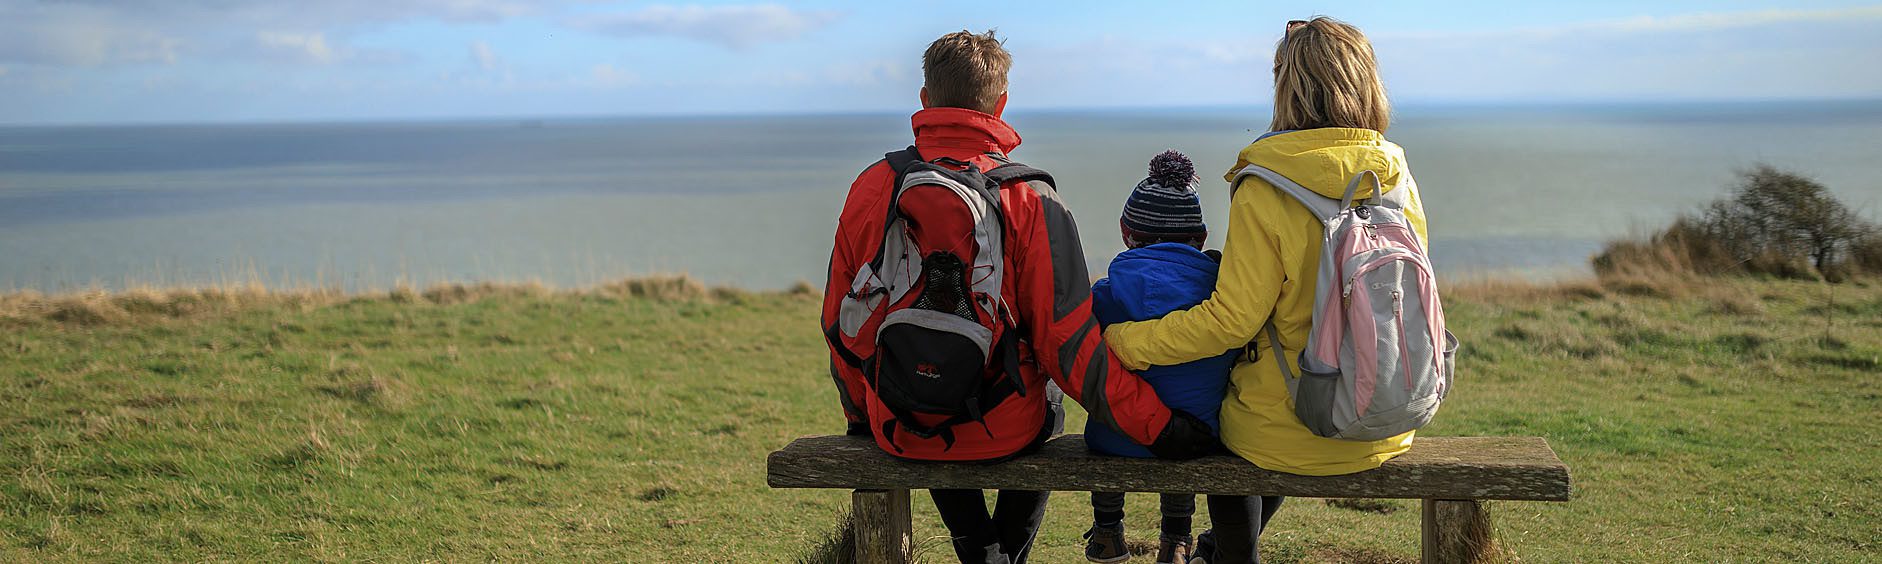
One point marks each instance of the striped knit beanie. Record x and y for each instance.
(1164, 206)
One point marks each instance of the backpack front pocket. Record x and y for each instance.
(931, 362)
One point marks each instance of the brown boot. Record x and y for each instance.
(1174, 550)
(1105, 545)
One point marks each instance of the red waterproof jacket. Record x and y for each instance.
(1046, 283)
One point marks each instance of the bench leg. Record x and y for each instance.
(883, 531)
(1456, 532)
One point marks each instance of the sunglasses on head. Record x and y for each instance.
(1291, 26)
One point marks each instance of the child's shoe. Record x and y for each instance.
(1174, 550)
(1204, 549)
(1105, 545)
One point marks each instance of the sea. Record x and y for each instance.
(1526, 191)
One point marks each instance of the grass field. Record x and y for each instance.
(1724, 420)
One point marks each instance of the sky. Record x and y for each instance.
(141, 61)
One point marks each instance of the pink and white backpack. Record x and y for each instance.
(1378, 360)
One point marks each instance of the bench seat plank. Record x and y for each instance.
(1473, 468)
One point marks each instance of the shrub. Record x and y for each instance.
(1774, 223)
(1865, 255)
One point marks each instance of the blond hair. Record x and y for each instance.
(966, 70)
(1325, 75)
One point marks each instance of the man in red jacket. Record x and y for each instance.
(1046, 284)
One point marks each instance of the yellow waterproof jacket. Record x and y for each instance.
(1270, 264)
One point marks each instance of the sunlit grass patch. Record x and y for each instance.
(610, 424)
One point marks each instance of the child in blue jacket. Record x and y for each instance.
(1164, 270)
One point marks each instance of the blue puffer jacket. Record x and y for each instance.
(1146, 283)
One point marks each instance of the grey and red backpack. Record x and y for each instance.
(945, 339)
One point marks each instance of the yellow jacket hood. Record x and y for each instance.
(1325, 159)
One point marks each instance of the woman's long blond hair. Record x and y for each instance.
(1326, 76)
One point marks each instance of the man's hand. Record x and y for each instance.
(1185, 437)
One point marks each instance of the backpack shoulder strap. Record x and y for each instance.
(899, 161)
(1011, 171)
(1352, 188)
(1323, 208)
(1274, 345)
(1400, 198)
(1015, 171)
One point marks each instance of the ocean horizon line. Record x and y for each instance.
(529, 120)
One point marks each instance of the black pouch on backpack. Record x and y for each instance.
(932, 357)
(924, 367)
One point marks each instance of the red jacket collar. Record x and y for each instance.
(960, 128)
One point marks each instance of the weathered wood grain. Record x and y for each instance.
(1511, 468)
(883, 531)
(1456, 532)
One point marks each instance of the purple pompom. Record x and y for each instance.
(1171, 169)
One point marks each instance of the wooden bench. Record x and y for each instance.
(1451, 474)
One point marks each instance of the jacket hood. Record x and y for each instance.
(1147, 282)
(960, 128)
(1194, 263)
(1325, 159)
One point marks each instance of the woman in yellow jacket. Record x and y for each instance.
(1330, 113)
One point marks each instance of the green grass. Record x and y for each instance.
(1730, 420)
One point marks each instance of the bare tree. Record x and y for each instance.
(1778, 214)
(1774, 222)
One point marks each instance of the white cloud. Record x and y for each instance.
(610, 76)
(78, 35)
(876, 72)
(1711, 21)
(296, 48)
(1236, 53)
(1718, 21)
(1772, 53)
(732, 26)
(305, 15)
(1767, 54)
(483, 56)
(311, 47)
(483, 67)
(1131, 71)
(95, 33)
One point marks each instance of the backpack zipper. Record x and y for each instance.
(1404, 351)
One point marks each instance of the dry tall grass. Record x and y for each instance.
(1521, 291)
(99, 307)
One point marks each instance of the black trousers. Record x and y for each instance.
(1108, 508)
(1006, 535)
(1236, 524)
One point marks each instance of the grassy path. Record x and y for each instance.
(1732, 421)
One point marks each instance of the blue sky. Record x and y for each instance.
(98, 61)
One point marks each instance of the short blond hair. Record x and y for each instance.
(1325, 75)
(966, 70)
